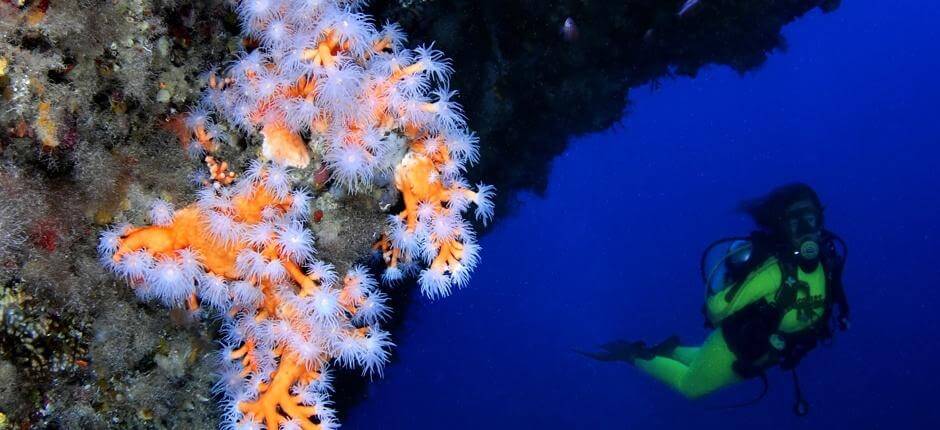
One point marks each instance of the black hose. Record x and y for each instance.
(800, 405)
(845, 248)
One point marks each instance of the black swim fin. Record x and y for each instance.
(618, 350)
(665, 348)
(628, 352)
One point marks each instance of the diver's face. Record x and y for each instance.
(802, 223)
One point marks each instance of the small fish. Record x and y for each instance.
(569, 30)
(687, 7)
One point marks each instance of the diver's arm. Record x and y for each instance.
(720, 305)
(762, 282)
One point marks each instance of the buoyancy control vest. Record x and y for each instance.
(755, 332)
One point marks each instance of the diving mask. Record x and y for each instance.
(803, 224)
(803, 221)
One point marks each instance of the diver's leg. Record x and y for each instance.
(712, 368)
(685, 354)
(666, 370)
(670, 368)
(709, 370)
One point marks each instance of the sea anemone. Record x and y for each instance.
(433, 62)
(277, 181)
(434, 283)
(295, 242)
(170, 282)
(448, 113)
(246, 294)
(250, 264)
(135, 265)
(161, 213)
(373, 351)
(214, 291)
(350, 165)
(325, 306)
(223, 228)
(373, 309)
(484, 202)
(254, 12)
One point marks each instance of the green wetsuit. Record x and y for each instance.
(697, 371)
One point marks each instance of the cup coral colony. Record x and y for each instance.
(243, 250)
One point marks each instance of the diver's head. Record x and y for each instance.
(802, 227)
(793, 215)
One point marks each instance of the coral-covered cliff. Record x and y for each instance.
(90, 133)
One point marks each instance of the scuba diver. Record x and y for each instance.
(770, 300)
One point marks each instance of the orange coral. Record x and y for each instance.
(431, 217)
(37, 12)
(243, 250)
(45, 125)
(218, 171)
(195, 137)
(284, 146)
(276, 397)
(189, 229)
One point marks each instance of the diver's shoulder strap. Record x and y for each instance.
(790, 285)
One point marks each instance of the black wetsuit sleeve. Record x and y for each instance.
(838, 292)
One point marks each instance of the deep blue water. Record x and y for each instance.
(612, 249)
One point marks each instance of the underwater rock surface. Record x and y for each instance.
(89, 135)
(527, 87)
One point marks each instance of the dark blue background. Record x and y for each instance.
(612, 250)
